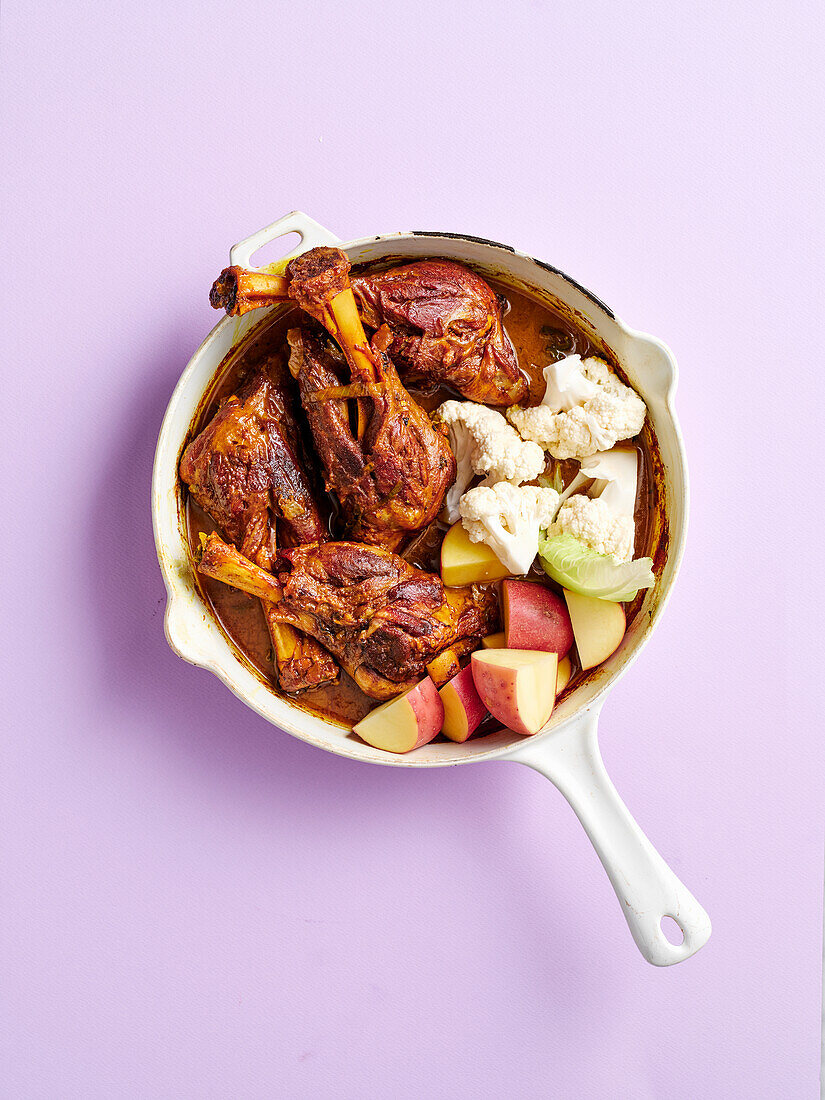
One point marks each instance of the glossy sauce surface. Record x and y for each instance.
(539, 336)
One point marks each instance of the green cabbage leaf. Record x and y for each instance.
(573, 565)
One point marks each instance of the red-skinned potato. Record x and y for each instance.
(405, 723)
(463, 709)
(518, 686)
(535, 618)
(598, 627)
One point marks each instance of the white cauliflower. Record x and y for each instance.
(484, 443)
(509, 518)
(585, 409)
(616, 477)
(595, 524)
(566, 384)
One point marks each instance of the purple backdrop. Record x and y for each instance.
(197, 905)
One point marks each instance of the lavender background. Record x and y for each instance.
(198, 906)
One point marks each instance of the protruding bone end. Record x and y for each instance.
(224, 292)
(317, 276)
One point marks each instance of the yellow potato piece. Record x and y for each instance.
(518, 686)
(563, 675)
(598, 627)
(465, 562)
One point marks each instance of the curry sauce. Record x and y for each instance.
(539, 335)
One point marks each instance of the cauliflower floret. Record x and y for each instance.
(484, 443)
(595, 524)
(616, 479)
(585, 409)
(566, 384)
(508, 518)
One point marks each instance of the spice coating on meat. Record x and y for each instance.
(447, 328)
(382, 618)
(243, 470)
(393, 479)
(446, 321)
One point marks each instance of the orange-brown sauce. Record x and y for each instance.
(539, 335)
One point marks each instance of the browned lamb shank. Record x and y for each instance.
(244, 469)
(391, 481)
(383, 619)
(390, 473)
(445, 320)
(446, 326)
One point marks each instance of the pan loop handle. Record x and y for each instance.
(311, 233)
(647, 889)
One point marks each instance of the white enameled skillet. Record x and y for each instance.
(567, 750)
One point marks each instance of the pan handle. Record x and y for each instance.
(646, 887)
(310, 232)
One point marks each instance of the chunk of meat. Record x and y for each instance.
(244, 471)
(392, 480)
(447, 328)
(383, 619)
(446, 321)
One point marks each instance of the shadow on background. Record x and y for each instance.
(185, 711)
(148, 685)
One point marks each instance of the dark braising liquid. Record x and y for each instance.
(539, 335)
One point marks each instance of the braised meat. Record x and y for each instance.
(383, 619)
(392, 472)
(244, 471)
(390, 481)
(445, 320)
(446, 326)
(244, 468)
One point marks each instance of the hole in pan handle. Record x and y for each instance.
(647, 889)
(311, 233)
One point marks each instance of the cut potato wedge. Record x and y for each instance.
(494, 641)
(535, 617)
(463, 709)
(598, 627)
(465, 562)
(405, 723)
(563, 675)
(518, 686)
